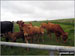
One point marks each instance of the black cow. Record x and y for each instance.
(6, 26)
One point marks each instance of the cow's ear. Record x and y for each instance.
(66, 33)
(17, 22)
(9, 32)
(22, 22)
(28, 27)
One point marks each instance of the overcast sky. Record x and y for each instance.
(36, 10)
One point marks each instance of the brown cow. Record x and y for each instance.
(37, 31)
(15, 35)
(56, 28)
(25, 30)
(20, 24)
(32, 31)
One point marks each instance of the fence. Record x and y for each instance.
(50, 48)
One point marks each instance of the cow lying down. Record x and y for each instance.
(14, 36)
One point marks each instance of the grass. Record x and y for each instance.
(67, 27)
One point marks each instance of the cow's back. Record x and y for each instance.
(55, 27)
(51, 26)
(6, 26)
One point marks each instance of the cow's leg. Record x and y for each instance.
(31, 39)
(38, 38)
(57, 36)
(26, 42)
(34, 38)
(23, 39)
(3, 35)
(49, 34)
(14, 40)
(42, 37)
(7, 39)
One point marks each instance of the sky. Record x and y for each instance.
(36, 10)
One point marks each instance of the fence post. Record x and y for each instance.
(51, 53)
(66, 53)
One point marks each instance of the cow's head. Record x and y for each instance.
(65, 36)
(20, 23)
(25, 29)
(9, 34)
(25, 33)
(42, 31)
(43, 25)
(30, 23)
(17, 22)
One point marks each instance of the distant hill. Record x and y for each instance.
(64, 20)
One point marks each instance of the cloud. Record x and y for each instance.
(36, 10)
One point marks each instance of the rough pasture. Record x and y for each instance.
(67, 25)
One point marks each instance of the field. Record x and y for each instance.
(66, 24)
